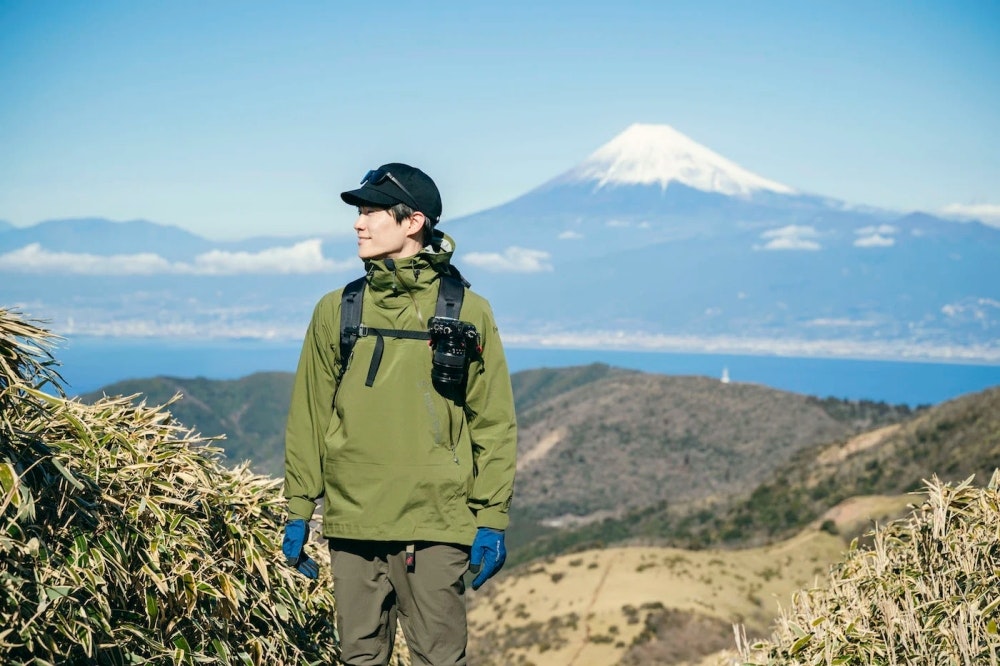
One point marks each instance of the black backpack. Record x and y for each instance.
(451, 293)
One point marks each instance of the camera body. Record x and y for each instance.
(453, 343)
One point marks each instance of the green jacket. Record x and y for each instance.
(397, 461)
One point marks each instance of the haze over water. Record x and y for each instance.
(91, 363)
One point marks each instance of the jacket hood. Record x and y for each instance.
(407, 273)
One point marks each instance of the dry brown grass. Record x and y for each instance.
(640, 604)
(925, 592)
(123, 540)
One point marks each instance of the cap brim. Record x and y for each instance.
(368, 196)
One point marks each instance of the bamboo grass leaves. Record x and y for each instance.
(124, 540)
(927, 591)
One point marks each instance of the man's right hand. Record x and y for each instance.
(293, 546)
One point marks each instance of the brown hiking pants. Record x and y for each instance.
(374, 586)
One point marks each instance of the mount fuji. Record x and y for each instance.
(651, 242)
(654, 240)
(659, 154)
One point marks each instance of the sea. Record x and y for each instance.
(89, 363)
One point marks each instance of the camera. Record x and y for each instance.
(452, 341)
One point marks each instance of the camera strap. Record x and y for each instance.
(451, 293)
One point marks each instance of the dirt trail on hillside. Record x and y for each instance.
(542, 448)
(585, 640)
(865, 440)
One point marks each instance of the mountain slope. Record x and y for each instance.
(631, 440)
(954, 440)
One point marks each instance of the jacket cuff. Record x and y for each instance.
(493, 517)
(300, 507)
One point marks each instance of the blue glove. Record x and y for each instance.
(293, 546)
(488, 555)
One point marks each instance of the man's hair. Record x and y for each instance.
(401, 212)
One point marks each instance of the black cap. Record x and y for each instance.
(395, 183)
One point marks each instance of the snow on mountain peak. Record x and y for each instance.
(646, 154)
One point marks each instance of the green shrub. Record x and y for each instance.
(926, 587)
(123, 539)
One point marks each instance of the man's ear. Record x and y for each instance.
(416, 224)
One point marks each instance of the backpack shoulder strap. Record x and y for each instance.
(451, 293)
(350, 319)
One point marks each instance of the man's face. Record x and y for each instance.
(379, 235)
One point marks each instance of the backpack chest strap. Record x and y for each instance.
(362, 331)
(451, 293)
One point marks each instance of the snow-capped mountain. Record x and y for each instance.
(653, 241)
(659, 154)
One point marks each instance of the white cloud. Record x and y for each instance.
(513, 260)
(790, 244)
(973, 308)
(34, 259)
(985, 213)
(618, 224)
(875, 240)
(791, 237)
(304, 257)
(883, 229)
(842, 322)
(570, 235)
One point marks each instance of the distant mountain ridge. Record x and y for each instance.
(103, 237)
(651, 242)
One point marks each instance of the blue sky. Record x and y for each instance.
(234, 119)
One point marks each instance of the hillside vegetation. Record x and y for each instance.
(123, 540)
(955, 439)
(926, 591)
(249, 411)
(629, 440)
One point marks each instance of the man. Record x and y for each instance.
(413, 469)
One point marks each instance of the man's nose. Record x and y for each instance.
(359, 223)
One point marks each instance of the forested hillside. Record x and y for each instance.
(629, 440)
(954, 440)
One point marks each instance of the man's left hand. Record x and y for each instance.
(293, 547)
(488, 555)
